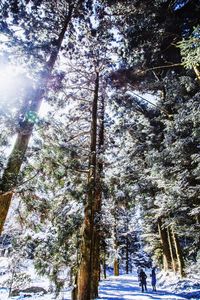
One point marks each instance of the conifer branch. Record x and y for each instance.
(155, 105)
(163, 67)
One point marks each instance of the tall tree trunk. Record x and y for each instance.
(104, 263)
(116, 266)
(173, 256)
(116, 259)
(127, 255)
(97, 208)
(127, 242)
(131, 267)
(10, 175)
(179, 254)
(165, 246)
(96, 244)
(85, 268)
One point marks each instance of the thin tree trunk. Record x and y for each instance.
(127, 242)
(104, 263)
(131, 267)
(85, 268)
(16, 158)
(116, 267)
(165, 246)
(97, 209)
(179, 255)
(116, 260)
(74, 290)
(127, 255)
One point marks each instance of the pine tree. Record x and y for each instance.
(153, 63)
(10, 175)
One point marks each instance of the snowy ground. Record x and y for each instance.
(124, 287)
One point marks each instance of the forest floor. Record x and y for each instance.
(123, 287)
(126, 287)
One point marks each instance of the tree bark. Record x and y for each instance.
(179, 254)
(97, 209)
(173, 256)
(116, 260)
(104, 263)
(127, 242)
(96, 253)
(85, 268)
(165, 246)
(127, 255)
(5, 200)
(16, 158)
(116, 267)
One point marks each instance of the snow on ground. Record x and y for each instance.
(62, 296)
(189, 286)
(36, 280)
(123, 287)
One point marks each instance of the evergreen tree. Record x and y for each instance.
(33, 100)
(150, 61)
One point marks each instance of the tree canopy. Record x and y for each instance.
(99, 141)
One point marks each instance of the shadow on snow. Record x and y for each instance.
(129, 289)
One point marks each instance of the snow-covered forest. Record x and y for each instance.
(99, 148)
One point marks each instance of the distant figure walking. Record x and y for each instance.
(153, 279)
(143, 280)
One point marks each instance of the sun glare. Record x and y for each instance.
(8, 78)
(12, 82)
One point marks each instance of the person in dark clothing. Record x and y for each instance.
(153, 279)
(143, 280)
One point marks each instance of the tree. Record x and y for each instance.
(10, 175)
(190, 49)
(148, 57)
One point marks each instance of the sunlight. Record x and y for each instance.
(8, 79)
(13, 82)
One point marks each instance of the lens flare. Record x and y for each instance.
(12, 84)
